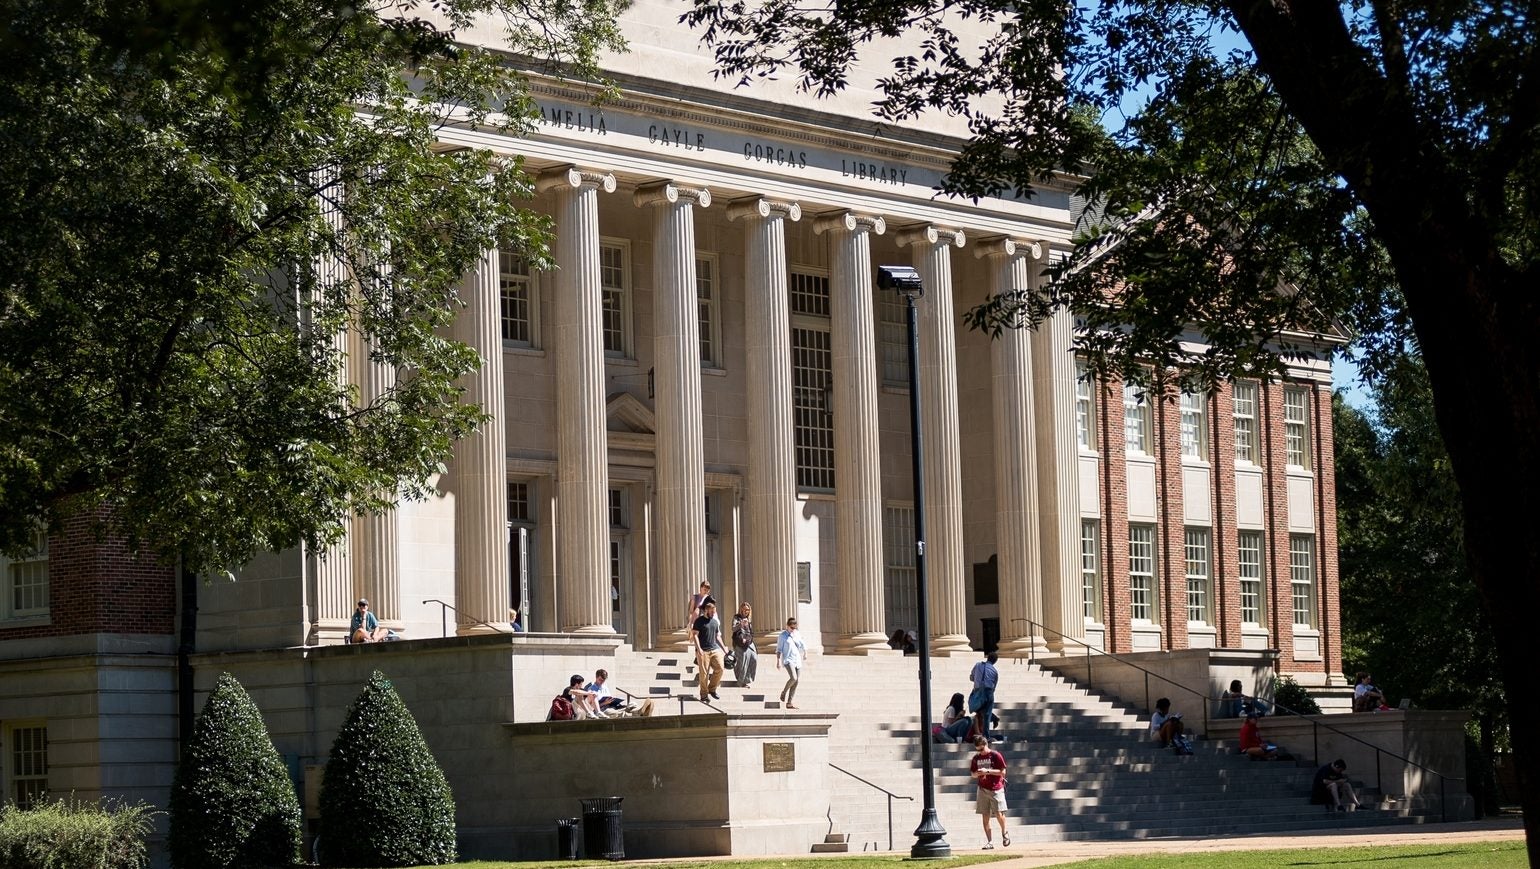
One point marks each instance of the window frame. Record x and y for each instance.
(1137, 420)
(530, 280)
(1085, 408)
(626, 295)
(40, 583)
(1146, 579)
(1259, 593)
(812, 415)
(709, 309)
(1249, 417)
(1090, 569)
(1302, 575)
(1194, 416)
(15, 779)
(1296, 431)
(892, 339)
(1200, 580)
(900, 568)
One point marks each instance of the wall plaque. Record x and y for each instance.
(780, 756)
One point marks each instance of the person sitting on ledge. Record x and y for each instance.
(365, 628)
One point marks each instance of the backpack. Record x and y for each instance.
(561, 710)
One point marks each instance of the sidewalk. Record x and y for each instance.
(1058, 853)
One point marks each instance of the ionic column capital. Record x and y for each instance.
(849, 221)
(930, 234)
(669, 193)
(1003, 246)
(759, 206)
(573, 178)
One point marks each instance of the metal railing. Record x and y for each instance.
(444, 609)
(891, 797)
(1092, 651)
(1315, 728)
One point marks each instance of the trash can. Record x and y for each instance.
(602, 835)
(566, 839)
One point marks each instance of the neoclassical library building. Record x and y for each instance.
(711, 387)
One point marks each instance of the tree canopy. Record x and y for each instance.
(1376, 163)
(200, 198)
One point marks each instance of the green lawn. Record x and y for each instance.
(1487, 855)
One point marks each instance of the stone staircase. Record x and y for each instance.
(1080, 766)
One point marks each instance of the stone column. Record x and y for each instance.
(332, 567)
(681, 463)
(1016, 506)
(582, 462)
(1058, 461)
(945, 563)
(376, 560)
(772, 483)
(857, 445)
(481, 461)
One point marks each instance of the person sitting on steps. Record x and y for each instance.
(1252, 744)
(1331, 788)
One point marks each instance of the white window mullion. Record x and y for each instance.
(1141, 573)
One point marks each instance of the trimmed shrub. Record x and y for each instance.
(70, 835)
(232, 803)
(1291, 698)
(384, 800)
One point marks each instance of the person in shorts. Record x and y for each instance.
(988, 768)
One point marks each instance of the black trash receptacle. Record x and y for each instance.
(566, 839)
(602, 835)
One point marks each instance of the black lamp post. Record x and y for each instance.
(930, 836)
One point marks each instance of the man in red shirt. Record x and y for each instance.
(988, 768)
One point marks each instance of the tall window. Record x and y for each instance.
(615, 288)
(1090, 568)
(26, 581)
(1249, 548)
(1302, 578)
(1244, 395)
(1136, 419)
(899, 570)
(28, 764)
(1296, 427)
(521, 515)
(519, 309)
(1194, 424)
(893, 337)
(812, 381)
(1196, 540)
(707, 293)
(620, 528)
(1085, 408)
(1141, 572)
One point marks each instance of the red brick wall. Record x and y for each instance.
(1225, 557)
(1329, 590)
(1171, 526)
(99, 587)
(1115, 520)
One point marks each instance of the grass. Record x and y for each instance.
(889, 860)
(1487, 855)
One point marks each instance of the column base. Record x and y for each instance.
(865, 644)
(949, 645)
(590, 630)
(1022, 647)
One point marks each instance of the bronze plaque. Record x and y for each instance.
(780, 756)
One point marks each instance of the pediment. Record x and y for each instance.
(625, 412)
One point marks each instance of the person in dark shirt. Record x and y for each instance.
(1331, 788)
(707, 633)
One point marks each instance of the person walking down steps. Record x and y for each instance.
(789, 655)
(747, 664)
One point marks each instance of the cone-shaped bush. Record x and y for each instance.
(232, 803)
(384, 800)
